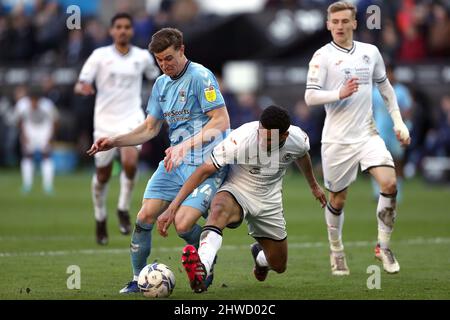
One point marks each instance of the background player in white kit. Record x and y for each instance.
(341, 76)
(117, 71)
(252, 190)
(37, 117)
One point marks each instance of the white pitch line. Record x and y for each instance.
(295, 245)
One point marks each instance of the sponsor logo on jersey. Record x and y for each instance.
(210, 94)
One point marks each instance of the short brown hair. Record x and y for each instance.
(340, 6)
(165, 38)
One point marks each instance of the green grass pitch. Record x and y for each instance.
(41, 236)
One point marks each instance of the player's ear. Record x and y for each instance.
(328, 25)
(285, 135)
(355, 24)
(182, 49)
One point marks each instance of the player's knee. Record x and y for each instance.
(182, 227)
(337, 203)
(218, 215)
(389, 186)
(130, 168)
(102, 177)
(146, 216)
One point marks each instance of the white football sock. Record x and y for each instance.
(386, 215)
(261, 259)
(99, 192)
(47, 169)
(335, 221)
(126, 188)
(210, 243)
(27, 168)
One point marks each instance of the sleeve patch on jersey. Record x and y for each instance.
(210, 94)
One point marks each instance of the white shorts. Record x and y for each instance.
(37, 141)
(340, 161)
(104, 158)
(264, 217)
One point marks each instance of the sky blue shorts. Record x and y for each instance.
(165, 186)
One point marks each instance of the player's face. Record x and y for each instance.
(34, 102)
(171, 61)
(341, 25)
(122, 31)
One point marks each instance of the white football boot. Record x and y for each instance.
(390, 264)
(338, 264)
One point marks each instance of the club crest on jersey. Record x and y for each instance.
(182, 96)
(366, 59)
(210, 94)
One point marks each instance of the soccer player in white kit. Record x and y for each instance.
(258, 154)
(341, 76)
(37, 117)
(117, 71)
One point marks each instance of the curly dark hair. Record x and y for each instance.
(274, 117)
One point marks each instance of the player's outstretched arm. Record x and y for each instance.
(200, 174)
(101, 144)
(144, 132)
(304, 164)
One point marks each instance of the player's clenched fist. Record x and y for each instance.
(350, 87)
(102, 144)
(85, 89)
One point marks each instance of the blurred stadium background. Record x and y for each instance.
(259, 49)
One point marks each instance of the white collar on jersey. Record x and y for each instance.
(120, 53)
(338, 47)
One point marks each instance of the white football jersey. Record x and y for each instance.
(255, 172)
(118, 79)
(348, 120)
(37, 123)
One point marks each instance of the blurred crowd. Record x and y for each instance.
(412, 31)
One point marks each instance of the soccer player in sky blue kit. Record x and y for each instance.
(187, 96)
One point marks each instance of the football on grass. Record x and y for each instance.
(156, 280)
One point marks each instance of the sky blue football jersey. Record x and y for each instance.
(183, 102)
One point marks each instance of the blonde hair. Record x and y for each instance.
(340, 6)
